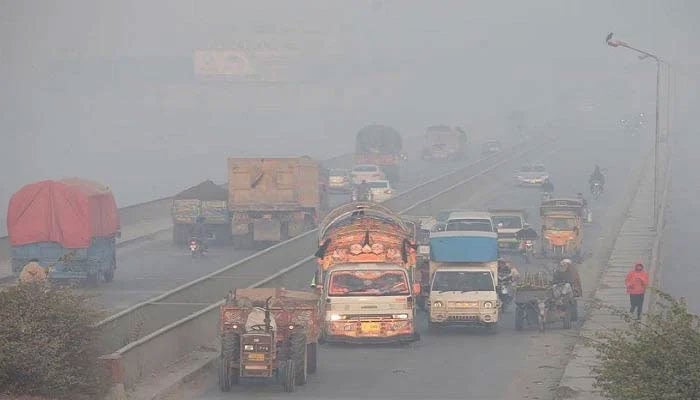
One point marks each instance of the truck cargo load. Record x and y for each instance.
(207, 200)
(73, 219)
(379, 145)
(366, 261)
(444, 143)
(274, 199)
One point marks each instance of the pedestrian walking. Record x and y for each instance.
(636, 283)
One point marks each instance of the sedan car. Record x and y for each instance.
(491, 147)
(339, 180)
(531, 175)
(381, 190)
(366, 172)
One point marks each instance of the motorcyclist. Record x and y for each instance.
(506, 271)
(200, 232)
(597, 176)
(568, 273)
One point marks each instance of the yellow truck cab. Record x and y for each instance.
(561, 227)
(463, 279)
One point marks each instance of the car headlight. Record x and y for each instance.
(400, 316)
(248, 347)
(437, 304)
(336, 317)
(488, 304)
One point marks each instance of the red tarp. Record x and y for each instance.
(69, 212)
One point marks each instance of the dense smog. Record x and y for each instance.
(391, 199)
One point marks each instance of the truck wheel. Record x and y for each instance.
(299, 356)
(289, 376)
(567, 319)
(230, 359)
(109, 274)
(311, 355)
(243, 242)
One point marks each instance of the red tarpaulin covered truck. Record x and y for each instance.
(70, 226)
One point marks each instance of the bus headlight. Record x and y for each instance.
(400, 316)
(437, 304)
(336, 317)
(488, 304)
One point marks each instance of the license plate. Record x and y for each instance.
(423, 249)
(256, 356)
(370, 327)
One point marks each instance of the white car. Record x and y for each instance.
(366, 172)
(531, 175)
(381, 190)
(470, 221)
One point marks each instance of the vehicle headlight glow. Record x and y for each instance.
(248, 347)
(400, 316)
(488, 304)
(437, 304)
(336, 317)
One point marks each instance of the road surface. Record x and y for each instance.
(462, 363)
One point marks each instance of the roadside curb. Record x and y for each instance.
(178, 379)
(577, 379)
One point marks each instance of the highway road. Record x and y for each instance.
(463, 363)
(148, 268)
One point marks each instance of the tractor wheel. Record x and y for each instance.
(229, 360)
(311, 354)
(299, 356)
(289, 376)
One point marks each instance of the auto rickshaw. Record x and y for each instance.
(562, 220)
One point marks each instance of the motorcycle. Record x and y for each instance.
(196, 247)
(596, 190)
(505, 289)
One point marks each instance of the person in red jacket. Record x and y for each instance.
(636, 282)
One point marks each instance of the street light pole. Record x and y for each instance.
(645, 54)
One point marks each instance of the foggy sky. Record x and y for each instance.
(105, 89)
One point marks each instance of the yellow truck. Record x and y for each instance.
(274, 199)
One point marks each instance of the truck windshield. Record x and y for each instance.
(508, 221)
(463, 281)
(368, 283)
(560, 224)
(480, 225)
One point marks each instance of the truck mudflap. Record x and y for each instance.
(267, 229)
(297, 224)
(356, 331)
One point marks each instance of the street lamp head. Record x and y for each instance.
(614, 43)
